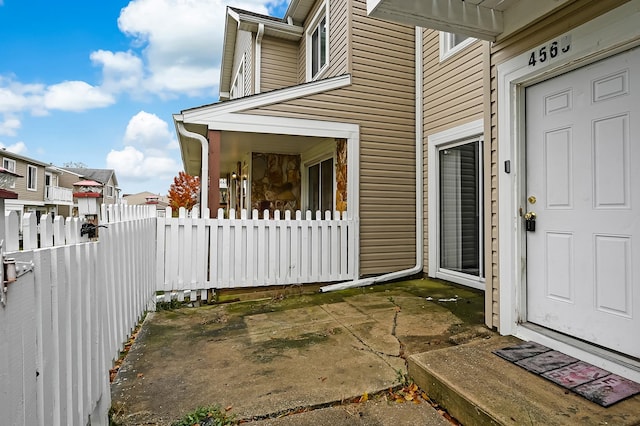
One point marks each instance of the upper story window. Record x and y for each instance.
(32, 178)
(237, 88)
(450, 43)
(10, 165)
(108, 191)
(318, 43)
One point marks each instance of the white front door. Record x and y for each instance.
(583, 168)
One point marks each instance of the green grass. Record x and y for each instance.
(210, 416)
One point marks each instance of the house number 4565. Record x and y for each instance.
(550, 51)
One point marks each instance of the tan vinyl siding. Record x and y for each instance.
(569, 17)
(66, 180)
(21, 183)
(381, 101)
(338, 38)
(244, 46)
(279, 63)
(452, 96)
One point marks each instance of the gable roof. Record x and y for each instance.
(12, 155)
(99, 175)
(244, 20)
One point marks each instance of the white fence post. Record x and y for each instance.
(12, 231)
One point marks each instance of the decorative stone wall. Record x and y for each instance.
(275, 182)
(341, 175)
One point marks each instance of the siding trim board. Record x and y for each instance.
(598, 38)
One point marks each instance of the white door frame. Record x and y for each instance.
(611, 33)
(466, 132)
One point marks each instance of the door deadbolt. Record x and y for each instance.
(530, 221)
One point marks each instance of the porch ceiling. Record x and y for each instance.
(235, 146)
(483, 19)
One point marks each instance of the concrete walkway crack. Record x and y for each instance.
(366, 345)
(401, 345)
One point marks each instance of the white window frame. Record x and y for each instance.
(323, 12)
(33, 181)
(308, 166)
(237, 87)
(309, 159)
(109, 191)
(10, 164)
(448, 49)
(460, 135)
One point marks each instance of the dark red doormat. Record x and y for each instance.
(589, 381)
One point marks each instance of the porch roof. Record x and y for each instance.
(240, 135)
(483, 19)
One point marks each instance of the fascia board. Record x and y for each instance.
(272, 28)
(228, 50)
(238, 122)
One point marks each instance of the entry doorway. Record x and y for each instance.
(583, 184)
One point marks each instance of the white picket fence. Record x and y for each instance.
(76, 301)
(196, 253)
(65, 321)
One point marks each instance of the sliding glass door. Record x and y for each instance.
(460, 239)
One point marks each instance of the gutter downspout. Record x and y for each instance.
(258, 59)
(204, 166)
(419, 191)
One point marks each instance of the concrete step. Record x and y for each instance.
(479, 388)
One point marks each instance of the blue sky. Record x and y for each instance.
(96, 82)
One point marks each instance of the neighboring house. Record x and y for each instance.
(321, 116)
(39, 189)
(560, 95)
(107, 189)
(160, 201)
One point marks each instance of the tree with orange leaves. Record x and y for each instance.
(184, 192)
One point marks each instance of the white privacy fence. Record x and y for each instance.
(196, 253)
(69, 311)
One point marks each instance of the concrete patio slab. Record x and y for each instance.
(307, 353)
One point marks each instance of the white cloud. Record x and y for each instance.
(16, 97)
(9, 125)
(17, 148)
(121, 70)
(149, 132)
(132, 163)
(76, 96)
(181, 40)
(148, 155)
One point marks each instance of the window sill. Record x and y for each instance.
(320, 74)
